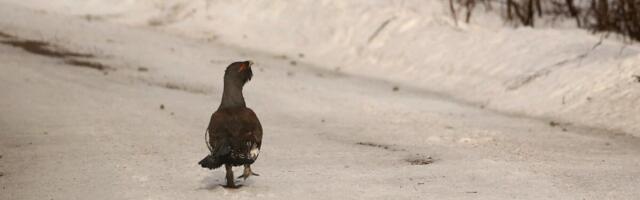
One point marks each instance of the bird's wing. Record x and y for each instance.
(250, 137)
(217, 134)
(254, 128)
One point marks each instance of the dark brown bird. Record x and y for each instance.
(234, 132)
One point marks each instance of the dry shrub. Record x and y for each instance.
(620, 16)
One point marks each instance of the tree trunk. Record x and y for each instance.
(573, 11)
(470, 4)
(539, 8)
(509, 10)
(453, 12)
(602, 14)
(530, 13)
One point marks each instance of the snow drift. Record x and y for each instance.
(564, 74)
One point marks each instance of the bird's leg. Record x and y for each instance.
(247, 172)
(230, 183)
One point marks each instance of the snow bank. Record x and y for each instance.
(562, 74)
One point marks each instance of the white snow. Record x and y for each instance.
(334, 128)
(546, 73)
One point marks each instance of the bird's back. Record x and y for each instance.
(235, 137)
(234, 122)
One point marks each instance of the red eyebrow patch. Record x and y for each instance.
(242, 67)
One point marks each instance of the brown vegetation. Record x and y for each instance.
(620, 16)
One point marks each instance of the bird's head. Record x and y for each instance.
(239, 72)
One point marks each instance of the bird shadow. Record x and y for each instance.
(213, 183)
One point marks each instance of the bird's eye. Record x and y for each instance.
(242, 67)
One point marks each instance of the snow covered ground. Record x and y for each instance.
(561, 73)
(81, 113)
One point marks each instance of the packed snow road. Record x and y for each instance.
(92, 110)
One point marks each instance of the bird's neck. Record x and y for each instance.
(232, 95)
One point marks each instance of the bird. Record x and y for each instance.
(234, 132)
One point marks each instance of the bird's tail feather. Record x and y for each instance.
(218, 151)
(223, 153)
(210, 162)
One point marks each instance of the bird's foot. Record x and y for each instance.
(245, 176)
(247, 173)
